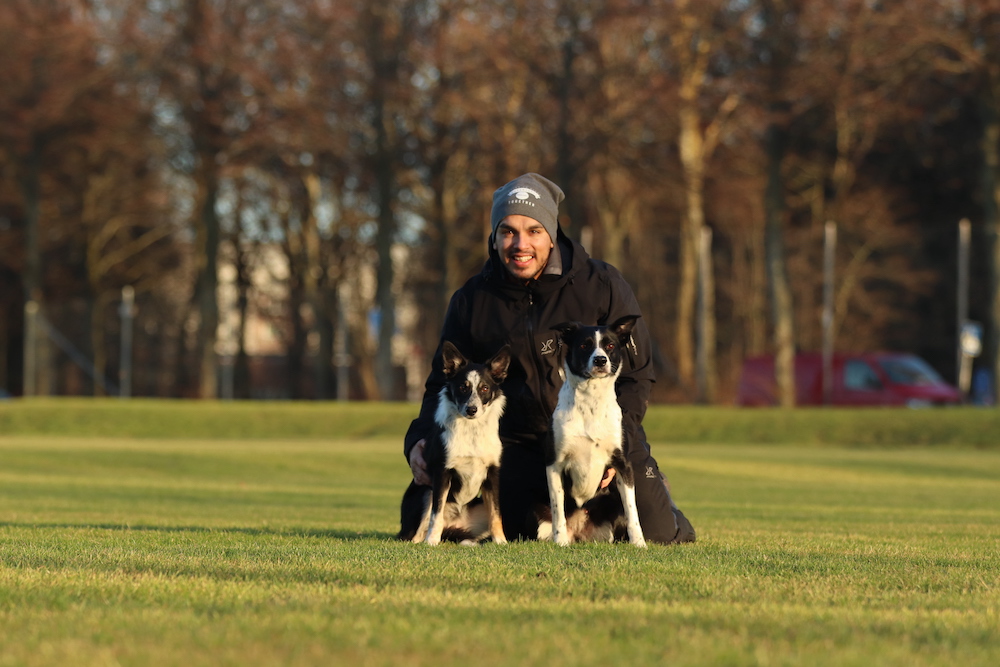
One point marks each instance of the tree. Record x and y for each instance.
(454, 71)
(51, 65)
(697, 39)
(387, 33)
(211, 47)
(121, 234)
(777, 46)
(964, 46)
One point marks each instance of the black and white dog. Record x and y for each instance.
(463, 457)
(587, 438)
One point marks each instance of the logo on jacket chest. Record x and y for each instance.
(548, 347)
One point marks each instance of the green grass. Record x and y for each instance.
(153, 418)
(192, 550)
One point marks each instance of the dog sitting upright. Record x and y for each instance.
(463, 456)
(587, 428)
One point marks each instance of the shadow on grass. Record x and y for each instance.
(346, 535)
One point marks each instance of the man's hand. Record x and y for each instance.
(418, 465)
(609, 475)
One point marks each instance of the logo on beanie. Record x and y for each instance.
(524, 193)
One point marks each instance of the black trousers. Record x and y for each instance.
(523, 488)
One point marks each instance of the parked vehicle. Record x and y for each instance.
(869, 379)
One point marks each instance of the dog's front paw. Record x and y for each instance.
(433, 541)
(562, 539)
(639, 542)
(499, 539)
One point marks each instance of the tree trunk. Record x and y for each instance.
(443, 261)
(208, 280)
(781, 293)
(751, 274)
(295, 351)
(454, 271)
(241, 364)
(385, 297)
(383, 53)
(6, 378)
(315, 277)
(30, 188)
(565, 168)
(97, 342)
(692, 161)
(990, 146)
(244, 283)
(363, 355)
(707, 380)
(614, 242)
(30, 191)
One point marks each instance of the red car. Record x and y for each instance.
(874, 378)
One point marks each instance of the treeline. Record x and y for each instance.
(326, 166)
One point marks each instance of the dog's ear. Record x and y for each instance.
(622, 327)
(566, 328)
(499, 363)
(452, 359)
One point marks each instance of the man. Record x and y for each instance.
(535, 278)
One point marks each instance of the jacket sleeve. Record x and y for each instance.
(456, 329)
(636, 380)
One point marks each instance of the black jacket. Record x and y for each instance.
(491, 309)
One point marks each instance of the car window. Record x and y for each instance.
(910, 370)
(859, 375)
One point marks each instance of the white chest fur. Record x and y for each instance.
(587, 429)
(471, 445)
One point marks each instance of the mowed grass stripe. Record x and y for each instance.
(217, 484)
(141, 418)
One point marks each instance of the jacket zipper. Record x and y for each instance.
(542, 396)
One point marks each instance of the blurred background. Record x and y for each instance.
(276, 198)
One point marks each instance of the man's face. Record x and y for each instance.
(523, 245)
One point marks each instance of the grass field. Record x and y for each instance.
(138, 534)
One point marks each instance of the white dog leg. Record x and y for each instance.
(556, 502)
(627, 492)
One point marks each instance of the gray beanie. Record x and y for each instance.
(532, 195)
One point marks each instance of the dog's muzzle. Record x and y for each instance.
(599, 366)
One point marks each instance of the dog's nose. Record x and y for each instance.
(471, 411)
(600, 362)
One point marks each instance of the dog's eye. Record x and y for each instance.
(609, 347)
(483, 389)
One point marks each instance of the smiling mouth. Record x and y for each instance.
(522, 259)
